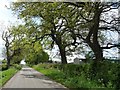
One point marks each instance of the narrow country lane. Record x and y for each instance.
(28, 78)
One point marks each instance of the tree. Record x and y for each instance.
(7, 37)
(35, 54)
(94, 20)
(51, 23)
(66, 22)
(32, 52)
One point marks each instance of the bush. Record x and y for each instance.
(104, 73)
(4, 61)
(117, 79)
(69, 79)
(17, 66)
(4, 67)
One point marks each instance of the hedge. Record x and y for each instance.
(103, 73)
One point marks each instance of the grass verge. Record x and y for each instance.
(71, 82)
(6, 75)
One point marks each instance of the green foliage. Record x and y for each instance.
(93, 75)
(63, 23)
(44, 57)
(6, 75)
(55, 23)
(17, 66)
(103, 72)
(33, 53)
(4, 67)
(70, 81)
(16, 59)
(37, 58)
(117, 79)
(4, 61)
(89, 56)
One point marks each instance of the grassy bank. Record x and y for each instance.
(5, 75)
(67, 77)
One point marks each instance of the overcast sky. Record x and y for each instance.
(6, 17)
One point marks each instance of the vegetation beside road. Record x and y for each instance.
(8, 73)
(101, 75)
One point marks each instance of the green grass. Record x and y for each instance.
(6, 75)
(68, 81)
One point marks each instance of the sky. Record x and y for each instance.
(7, 17)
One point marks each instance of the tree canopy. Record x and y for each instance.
(69, 24)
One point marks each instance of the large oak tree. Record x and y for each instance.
(53, 20)
(64, 23)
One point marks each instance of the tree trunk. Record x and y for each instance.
(61, 48)
(98, 52)
(8, 58)
(99, 55)
(63, 54)
(92, 38)
(8, 63)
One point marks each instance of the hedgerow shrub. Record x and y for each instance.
(103, 73)
(4, 67)
(19, 67)
(117, 79)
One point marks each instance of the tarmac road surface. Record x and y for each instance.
(28, 78)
